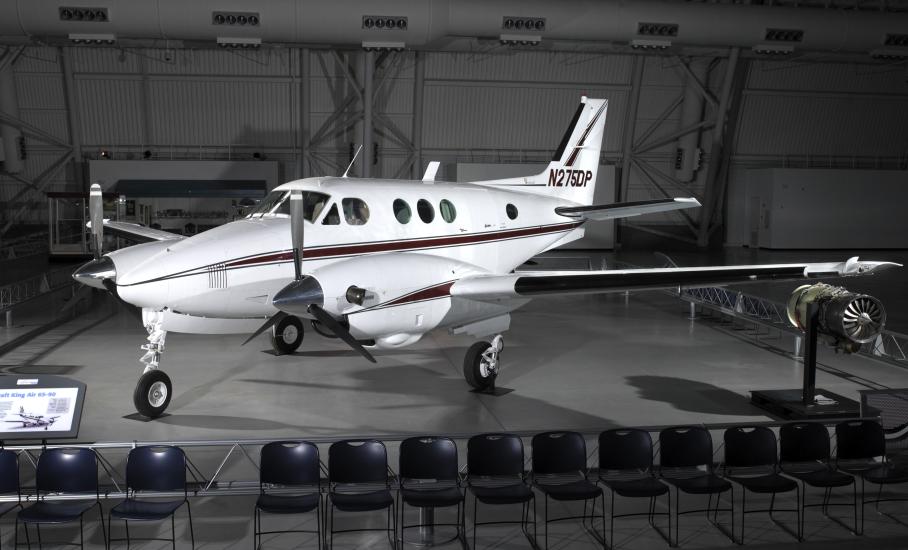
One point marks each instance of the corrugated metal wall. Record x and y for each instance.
(509, 106)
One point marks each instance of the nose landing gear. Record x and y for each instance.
(154, 389)
(481, 364)
(287, 335)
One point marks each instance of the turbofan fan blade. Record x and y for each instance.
(96, 215)
(297, 212)
(273, 320)
(331, 324)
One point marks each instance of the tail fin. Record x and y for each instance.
(572, 172)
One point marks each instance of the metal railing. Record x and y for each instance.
(21, 247)
(16, 293)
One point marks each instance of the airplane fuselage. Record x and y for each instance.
(355, 236)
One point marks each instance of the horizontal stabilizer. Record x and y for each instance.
(138, 233)
(626, 209)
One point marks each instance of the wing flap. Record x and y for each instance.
(626, 209)
(529, 284)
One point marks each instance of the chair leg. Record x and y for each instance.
(475, 504)
(103, 527)
(128, 542)
(40, 544)
(173, 531)
(546, 522)
(191, 530)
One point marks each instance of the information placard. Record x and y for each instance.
(40, 407)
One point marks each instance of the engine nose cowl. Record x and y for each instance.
(296, 297)
(95, 272)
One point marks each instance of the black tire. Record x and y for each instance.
(153, 393)
(472, 367)
(287, 335)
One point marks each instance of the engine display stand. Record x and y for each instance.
(808, 402)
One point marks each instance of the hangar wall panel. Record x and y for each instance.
(111, 111)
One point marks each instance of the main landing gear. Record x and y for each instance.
(287, 335)
(481, 363)
(154, 390)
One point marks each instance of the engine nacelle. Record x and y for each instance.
(845, 318)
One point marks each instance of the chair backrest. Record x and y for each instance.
(685, 446)
(67, 470)
(558, 453)
(156, 468)
(625, 449)
(803, 442)
(289, 463)
(494, 454)
(428, 457)
(9, 472)
(859, 439)
(747, 446)
(358, 461)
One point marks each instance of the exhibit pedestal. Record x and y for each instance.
(789, 405)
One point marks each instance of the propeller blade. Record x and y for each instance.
(111, 287)
(296, 230)
(331, 324)
(96, 215)
(81, 293)
(273, 320)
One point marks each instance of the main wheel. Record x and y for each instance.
(287, 335)
(152, 393)
(476, 368)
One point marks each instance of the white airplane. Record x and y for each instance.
(379, 263)
(33, 420)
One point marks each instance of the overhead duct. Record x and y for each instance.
(12, 138)
(435, 24)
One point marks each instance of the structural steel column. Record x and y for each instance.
(9, 104)
(710, 202)
(630, 124)
(305, 131)
(691, 113)
(368, 76)
(419, 83)
(70, 95)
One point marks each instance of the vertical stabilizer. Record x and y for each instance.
(571, 174)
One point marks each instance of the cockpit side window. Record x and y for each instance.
(277, 203)
(332, 217)
(355, 211)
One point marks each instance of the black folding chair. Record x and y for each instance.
(626, 468)
(289, 475)
(64, 471)
(9, 482)
(686, 463)
(495, 476)
(804, 455)
(430, 478)
(359, 482)
(861, 451)
(153, 469)
(560, 473)
(751, 461)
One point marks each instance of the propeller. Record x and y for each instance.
(331, 324)
(304, 295)
(96, 215)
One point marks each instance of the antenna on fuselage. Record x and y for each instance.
(349, 166)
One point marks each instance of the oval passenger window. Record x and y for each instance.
(355, 211)
(402, 211)
(511, 210)
(425, 211)
(448, 212)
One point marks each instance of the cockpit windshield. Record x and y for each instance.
(277, 203)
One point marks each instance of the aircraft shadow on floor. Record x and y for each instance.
(692, 395)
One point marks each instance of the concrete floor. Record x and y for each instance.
(584, 363)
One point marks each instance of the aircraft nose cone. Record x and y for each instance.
(299, 295)
(95, 272)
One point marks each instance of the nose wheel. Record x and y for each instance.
(481, 363)
(152, 393)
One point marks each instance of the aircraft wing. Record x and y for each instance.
(626, 209)
(529, 284)
(138, 233)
